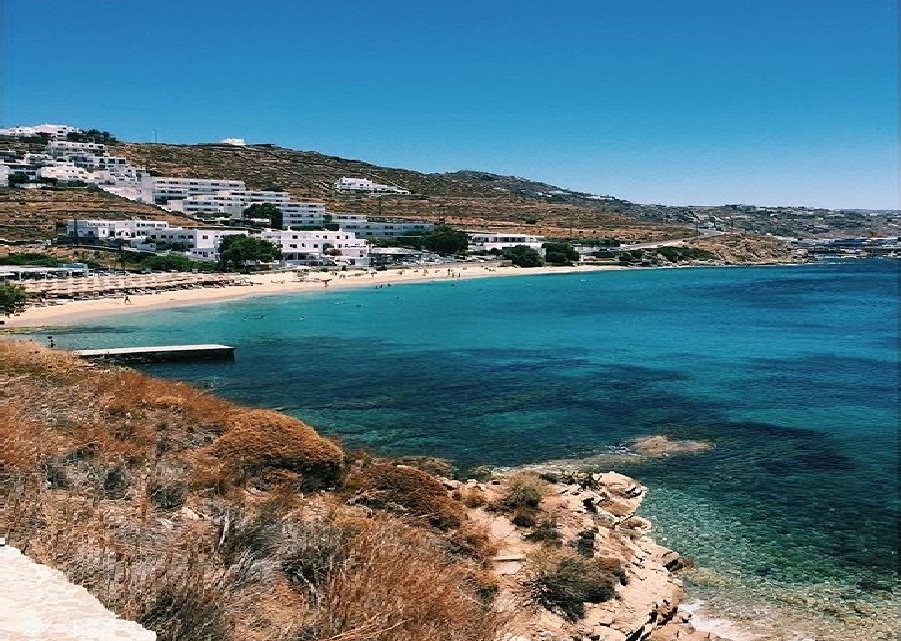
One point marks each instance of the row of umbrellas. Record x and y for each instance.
(101, 284)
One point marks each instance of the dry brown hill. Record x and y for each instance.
(464, 198)
(33, 214)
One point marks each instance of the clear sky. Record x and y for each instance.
(669, 101)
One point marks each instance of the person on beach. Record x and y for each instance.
(127, 300)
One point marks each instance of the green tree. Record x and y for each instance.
(177, 263)
(560, 253)
(268, 211)
(235, 251)
(17, 178)
(524, 256)
(446, 240)
(12, 298)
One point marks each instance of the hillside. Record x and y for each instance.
(33, 214)
(492, 201)
(207, 521)
(463, 198)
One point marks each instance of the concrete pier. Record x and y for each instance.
(160, 353)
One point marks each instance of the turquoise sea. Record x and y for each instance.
(792, 520)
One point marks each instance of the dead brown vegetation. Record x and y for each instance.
(105, 474)
(404, 490)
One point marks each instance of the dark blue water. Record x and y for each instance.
(792, 372)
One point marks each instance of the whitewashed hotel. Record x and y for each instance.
(59, 148)
(364, 186)
(486, 241)
(233, 204)
(320, 247)
(199, 243)
(111, 229)
(167, 188)
(363, 227)
(54, 131)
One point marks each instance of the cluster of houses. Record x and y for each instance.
(308, 247)
(309, 235)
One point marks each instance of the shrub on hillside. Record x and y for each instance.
(525, 491)
(471, 540)
(406, 490)
(545, 532)
(258, 441)
(565, 581)
(394, 583)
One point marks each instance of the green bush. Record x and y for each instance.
(523, 256)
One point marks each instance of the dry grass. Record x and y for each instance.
(33, 214)
(565, 581)
(257, 441)
(105, 475)
(405, 490)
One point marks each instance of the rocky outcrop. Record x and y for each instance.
(595, 515)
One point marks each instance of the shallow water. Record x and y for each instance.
(791, 371)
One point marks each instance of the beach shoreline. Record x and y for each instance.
(269, 284)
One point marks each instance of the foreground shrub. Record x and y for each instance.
(565, 581)
(184, 610)
(259, 441)
(392, 582)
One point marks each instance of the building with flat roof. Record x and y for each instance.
(168, 188)
(54, 131)
(58, 148)
(366, 186)
(320, 247)
(198, 243)
(365, 227)
(486, 241)
(112, 229)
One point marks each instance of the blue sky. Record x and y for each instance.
(687, 102)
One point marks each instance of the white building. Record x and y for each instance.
(365, 186)
(58, 148)
(166, 188)
(486, 241)
(111, 229)
(4, 176)
(382, 228)
(135, 185)
(233, 204)
(199, 243)
(54, 131)
(66, 174)
(38, 160)
(320, 247)
(235, 142)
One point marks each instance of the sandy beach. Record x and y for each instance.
(268, 284)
